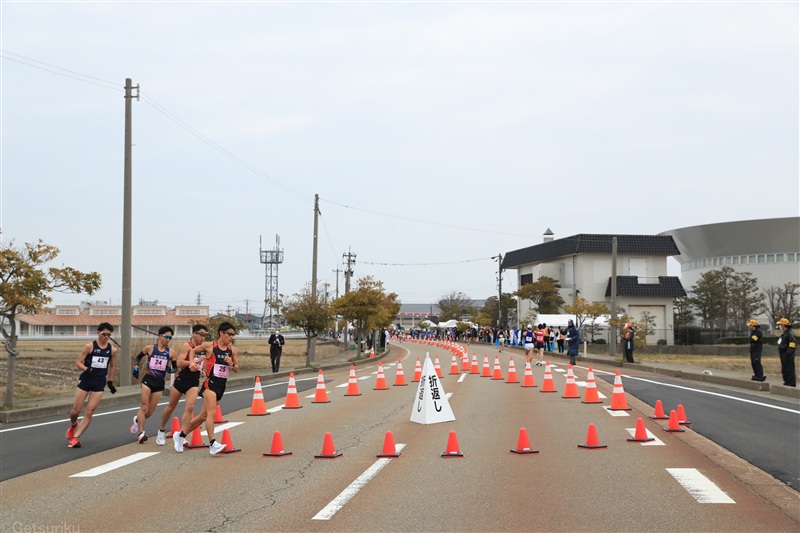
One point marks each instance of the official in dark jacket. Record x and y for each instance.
(787, 344)
(628, 342)
(756, 345)
(276, 343)
(573, 338)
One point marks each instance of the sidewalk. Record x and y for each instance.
(61, 404)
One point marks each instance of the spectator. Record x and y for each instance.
(787, 344)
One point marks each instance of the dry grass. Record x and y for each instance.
(771, 363)
(48, 367)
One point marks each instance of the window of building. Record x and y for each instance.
(751, 259)
(770, 258)
(761, 258)
(735, 259)
(790, 257)
(525, 279)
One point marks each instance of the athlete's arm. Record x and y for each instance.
(183, 361)
(79, 362)
(234, 359)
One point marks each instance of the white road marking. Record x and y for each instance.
(363, 377)
(656, 442)
(276, 409)
(699, 486)
(349, 493)
(343, 385)
(601, 395)
(727, 396)
(580, 383)
(615, 413)
(558, 369)
(113, 465)
(311, 395)
(448, 395)
(462, 378)
(223, 427)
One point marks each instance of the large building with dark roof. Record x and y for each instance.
(581, 264)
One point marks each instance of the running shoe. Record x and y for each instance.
(216, 447)
(135, 425)
(177, 440)
(161, 438)
(142, 438)
(71, 432)
(74, 443)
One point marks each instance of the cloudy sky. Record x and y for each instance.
(437, 135)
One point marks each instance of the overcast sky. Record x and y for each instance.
(437, 135)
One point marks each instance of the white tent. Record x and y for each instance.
(561, 320)
(448, 324)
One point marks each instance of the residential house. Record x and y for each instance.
(581, 264)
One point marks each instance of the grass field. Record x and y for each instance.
(46, 367)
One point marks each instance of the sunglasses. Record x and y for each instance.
(105, 334)
(168, 337)
(230, 333)
(201, 333)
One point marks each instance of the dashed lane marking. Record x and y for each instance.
(656, 442)
(699, 486)
(349, 493)
(615, 413)
(113, 465)
(462, 378)
(223, 427)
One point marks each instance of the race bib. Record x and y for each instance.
(221, 371)
(157, 363)
(99, 361)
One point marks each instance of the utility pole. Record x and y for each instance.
(499, 258)
(348, 273)
(612, 330)
(337, 281)
(127, 209)
(310, 356)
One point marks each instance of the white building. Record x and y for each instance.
(581, 264)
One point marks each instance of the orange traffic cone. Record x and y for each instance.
(258, 407)
(571, 388)
(372, 353)
(197, 440)
(400, 378)
(328, 449)
(218, 416)
(618, 402)
(292, 399)
(474, 368)
(682, 416)
(591, 395)
(389, 448)
(454, 366)
(512, 371)
(465, 362)
(498, 372)
(523, 444)
(548, 385)
(417, 372)
(592, 442)
(436, 367)
(486, 372)
(452, 446)
(352, 385)
(674, 426)
(527, 378)
(640, 435)
(176, 426)
(321, 394)
(277, 447)
(380, 382)
(226, 440)
(658, 413)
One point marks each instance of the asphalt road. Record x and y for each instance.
(681, 482)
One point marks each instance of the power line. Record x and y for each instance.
(428, 264)
(104, 83)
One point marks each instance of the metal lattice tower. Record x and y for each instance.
(271, 259)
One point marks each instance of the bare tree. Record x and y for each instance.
(454, 305)
(780, 302)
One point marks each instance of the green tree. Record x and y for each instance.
(782, 302)
(489, 311)
(744, 299)
(682, 311)
(710, 296)
(543, 294)
(213, 324)
(26, 287)
(368, 307)
(455, 305)
(311, 314)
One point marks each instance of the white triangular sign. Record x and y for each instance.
(430, 403)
